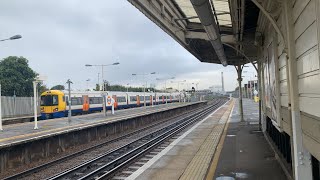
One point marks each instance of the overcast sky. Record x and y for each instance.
(61, 36)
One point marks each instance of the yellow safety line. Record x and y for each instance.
(79, 125)
(215, 160)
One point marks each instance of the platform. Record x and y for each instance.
(16, 133)
(21, 144)
(212, 149)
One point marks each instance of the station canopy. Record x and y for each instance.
(235, 21)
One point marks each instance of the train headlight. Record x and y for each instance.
(55, 110)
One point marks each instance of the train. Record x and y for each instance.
(54, 103)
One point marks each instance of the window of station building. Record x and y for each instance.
(121, 99)
(133, 98)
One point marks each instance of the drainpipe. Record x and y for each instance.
(204, 12)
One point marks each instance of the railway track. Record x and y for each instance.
(106, 165)
(111, 158)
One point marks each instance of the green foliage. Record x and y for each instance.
(16, 76)
(42, 88)
(97, 87)
(58, 87)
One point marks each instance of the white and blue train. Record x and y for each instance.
(54, 103)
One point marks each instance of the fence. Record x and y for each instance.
(16, 106)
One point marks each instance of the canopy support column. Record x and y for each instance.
(239, 71)
(301, 156)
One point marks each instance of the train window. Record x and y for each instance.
(141, 98)
(133, 98)
(46, 100)
(147, 98)
(76, 101)
(54, 100)
(154, 98)
(95, 100)
(121, 99)
(100, 100)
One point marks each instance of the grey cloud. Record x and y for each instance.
(60, 37)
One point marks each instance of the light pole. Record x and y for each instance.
(196, 94)
(102, 65)
(102, 78)
(98, 81)
(12, 38)
(127, 87)
(69, 100)
(144, 88)
(179, 87)
(37, 80)
(87, 84)
(165, 85)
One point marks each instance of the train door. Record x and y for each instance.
(85, 105)
(170, 98)
(115, 104)
(138, 100)
(151, 100)
(162, 99)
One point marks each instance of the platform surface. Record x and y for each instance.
(189, 156)
(245, 153)
(215, 147)
(16, 133)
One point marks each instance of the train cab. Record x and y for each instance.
(52, 104)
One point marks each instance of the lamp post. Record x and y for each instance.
(196, 89)
(102, 65)
(127, 87)
(12, 38)
(87, 84)
(179, 87)
(165, 85)
(102, 77)
(37, 80)
(144, 88)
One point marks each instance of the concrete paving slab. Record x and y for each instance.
(189, 154)
(247, 155)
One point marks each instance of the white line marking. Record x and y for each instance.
(167, 149)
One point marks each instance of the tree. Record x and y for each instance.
(58, 87)
(16, 76)
(97, 87)
(42, 88)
